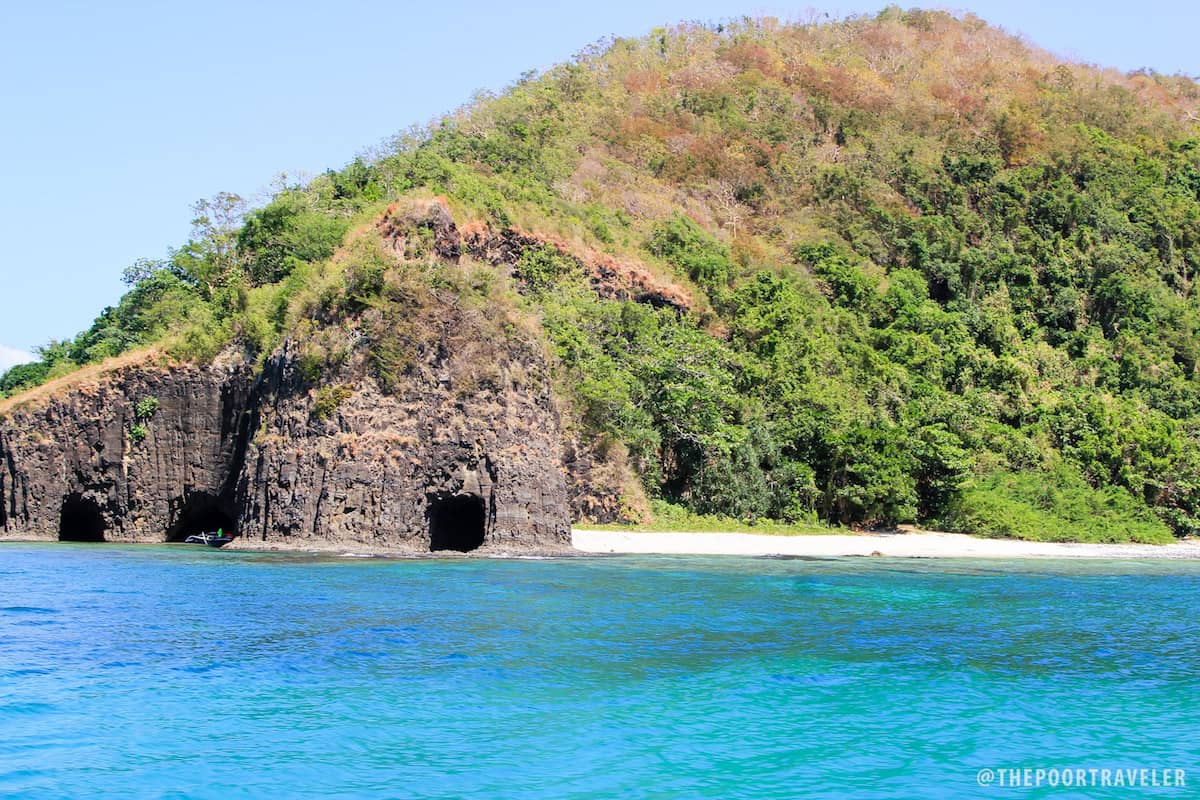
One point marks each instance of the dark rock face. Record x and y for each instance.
(70, 466)
(382, 468)
(593, 484)
(457, 445)
(478, 464)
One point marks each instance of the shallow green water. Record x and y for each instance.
(173, 672)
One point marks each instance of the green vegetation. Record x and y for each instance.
(328, 398)
(1059, 507)
(936, 274)
(146, 408)
(143, 410)
(22, 377)
(675, 518)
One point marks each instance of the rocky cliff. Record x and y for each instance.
(420, 419)
(436, 464)
(85, 464)
(463, 451)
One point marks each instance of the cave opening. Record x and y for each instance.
(456, 522)
(80, 520)
(201, 513)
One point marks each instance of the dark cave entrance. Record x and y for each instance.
(80, 520)
(456, 522)
(201, 513)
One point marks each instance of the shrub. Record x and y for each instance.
(328, 399)
(146, 407)
(23, 376)
(683, 243)
(1057, 506)
(540, 268)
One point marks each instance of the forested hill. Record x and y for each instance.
(908, 267)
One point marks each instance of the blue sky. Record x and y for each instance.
(116, 116)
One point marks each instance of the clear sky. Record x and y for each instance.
(115, 116)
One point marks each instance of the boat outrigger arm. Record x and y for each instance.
(212, 539)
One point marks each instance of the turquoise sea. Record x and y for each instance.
(169, 672)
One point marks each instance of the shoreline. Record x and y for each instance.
(892, 544)
(900, 544)
(331, 547)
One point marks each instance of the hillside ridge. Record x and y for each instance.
(896, 268)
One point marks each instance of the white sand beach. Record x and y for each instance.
(910, 544)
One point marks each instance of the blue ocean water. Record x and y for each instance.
(167, 672)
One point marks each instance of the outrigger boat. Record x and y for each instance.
(213, 539)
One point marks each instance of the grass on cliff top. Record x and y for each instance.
(79, 376)
(670, 518)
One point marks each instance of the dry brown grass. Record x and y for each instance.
(84, 377)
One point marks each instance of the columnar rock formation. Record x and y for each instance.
(440, 463)
(82, 464)
(477, 456)
(418, 422)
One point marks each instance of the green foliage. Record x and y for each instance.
(684, 244)
(201, 298)
(671, 393)
(328, 399)
(137, 433)
(667, 516)
(286, 233)
(310, 365)
(22, 377)
(1056, 507)
(158, 301)
(146, 408)
(539, 268)
(356, 182)
(848, 284)
(211, 259)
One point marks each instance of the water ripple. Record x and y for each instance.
(168, 673)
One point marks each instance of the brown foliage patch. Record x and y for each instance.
(644, 81)
(748, 56)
